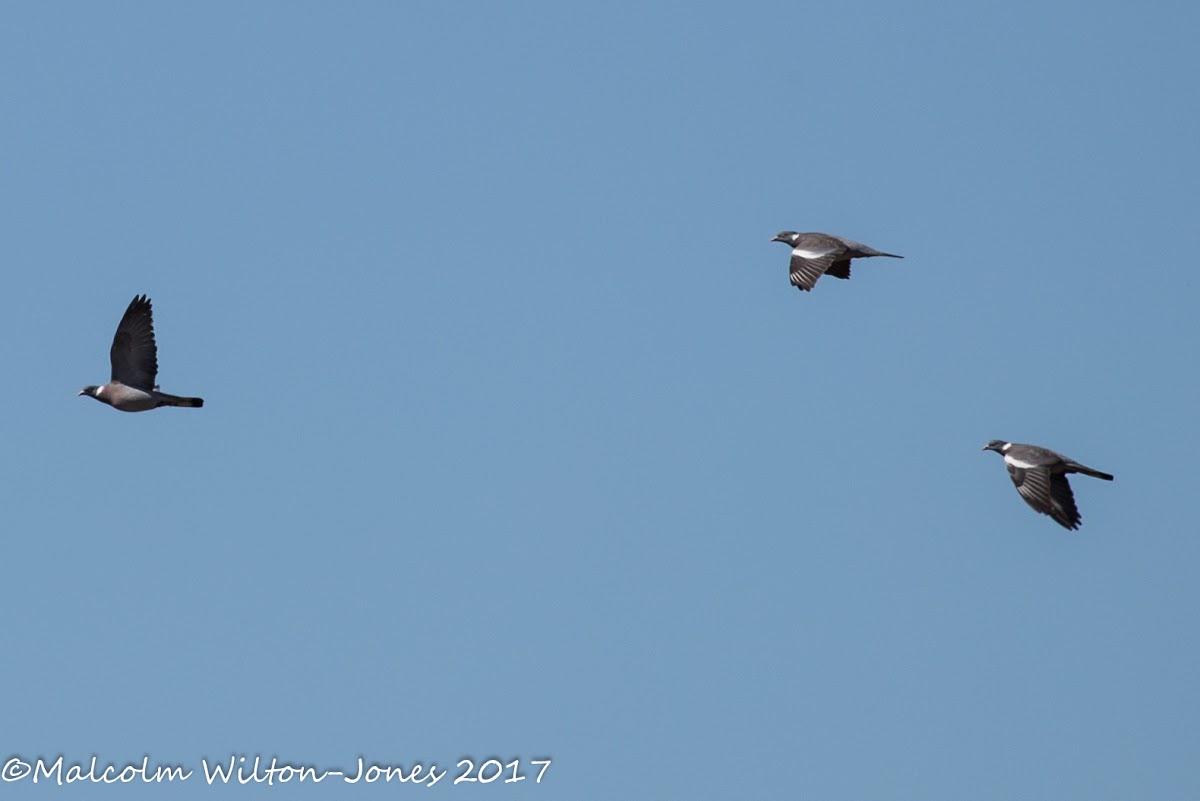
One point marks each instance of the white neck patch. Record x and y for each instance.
(1007, 445)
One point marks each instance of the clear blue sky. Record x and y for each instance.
(517, 441)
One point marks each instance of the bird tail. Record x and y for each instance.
(175, 400)
(1076, 467)
(866, 251)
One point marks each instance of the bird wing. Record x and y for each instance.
(134, 354)
(839, 269)
(809, 263)
(1048, 493)
(1065, 512)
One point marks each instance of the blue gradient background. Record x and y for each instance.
(517, 441)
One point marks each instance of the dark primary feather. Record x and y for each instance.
(839, 269)
(1062, 502)
(1048, 493)
(134, 354)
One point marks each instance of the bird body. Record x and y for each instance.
(132, 399)
(815, 254)
(134, 357)
(1040, 476)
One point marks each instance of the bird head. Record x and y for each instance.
(787, 237)
(91, 390)
(996, 445)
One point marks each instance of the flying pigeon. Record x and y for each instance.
(1040, 475)
(814, 255)
(134, 359)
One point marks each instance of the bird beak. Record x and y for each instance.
(984, 448)
(80, 392)
(776, 239)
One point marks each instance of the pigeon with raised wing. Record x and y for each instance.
(134, 357)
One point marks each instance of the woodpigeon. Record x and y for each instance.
(815, 254)
(1041, 477)
(134, 359)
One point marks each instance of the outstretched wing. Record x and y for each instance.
(134, 354)
(809, 263)
(1048, 493)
